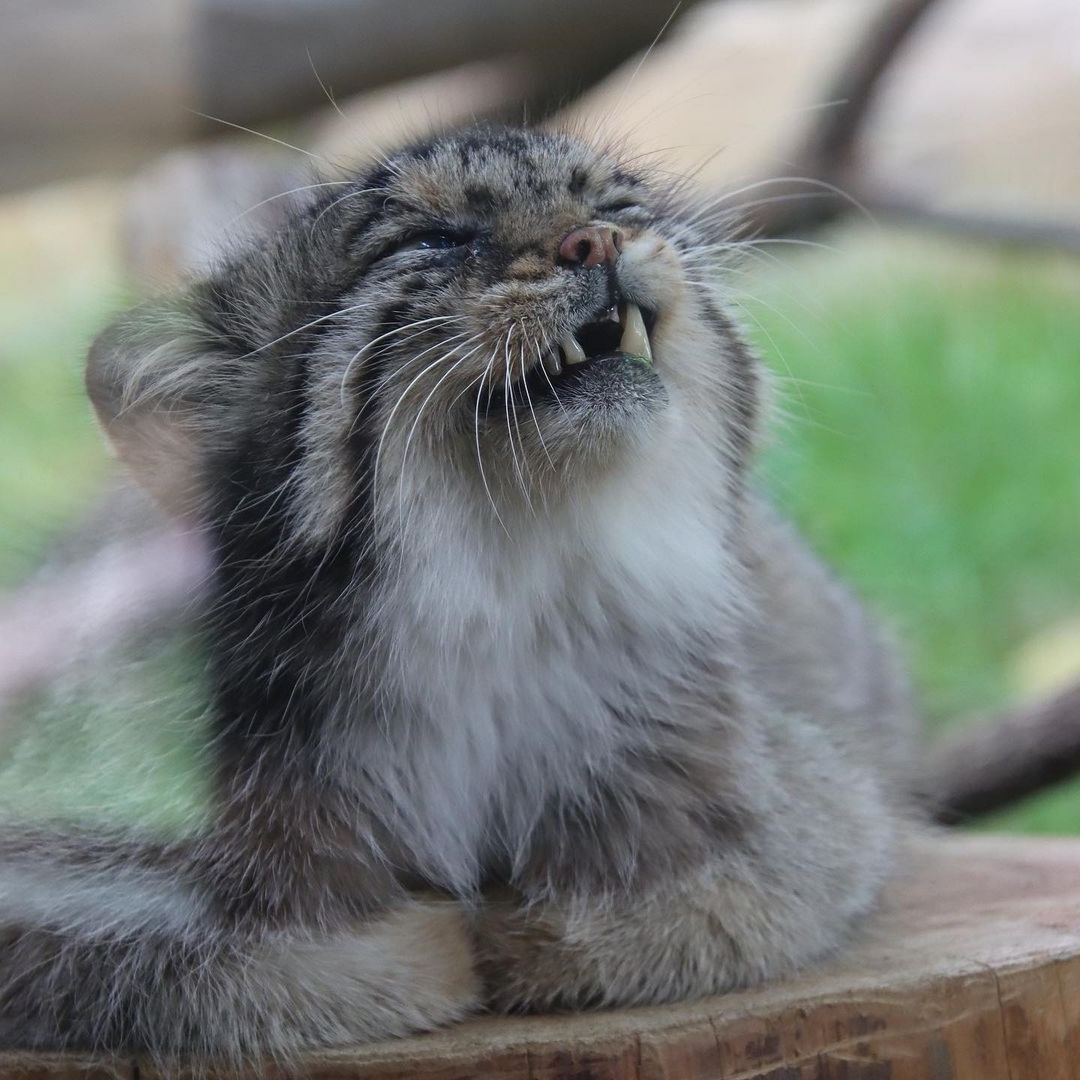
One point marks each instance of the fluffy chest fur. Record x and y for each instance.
(550, 649)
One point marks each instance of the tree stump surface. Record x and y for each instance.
(971, 972)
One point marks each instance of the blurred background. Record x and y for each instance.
(906, 177)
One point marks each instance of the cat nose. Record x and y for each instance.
(590, 245)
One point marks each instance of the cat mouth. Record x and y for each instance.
(620, 335)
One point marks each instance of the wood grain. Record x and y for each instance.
(972, 972)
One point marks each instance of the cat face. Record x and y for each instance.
(508, 315)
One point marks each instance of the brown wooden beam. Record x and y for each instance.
(99, 85)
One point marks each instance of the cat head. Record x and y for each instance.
(508, 320)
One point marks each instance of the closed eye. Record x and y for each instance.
(619, 206)
(430, 240)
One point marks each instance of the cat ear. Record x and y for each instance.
(155, 380)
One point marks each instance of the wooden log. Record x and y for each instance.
(92, 86)
(972, 973)
(255, 57)
(104, 84)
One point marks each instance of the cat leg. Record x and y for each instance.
(779, 894)
(110, 943)
(719, 929)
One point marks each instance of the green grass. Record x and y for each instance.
(116, 742)
(53, 457)
(929, 443)
(931, 448)
(120, 743)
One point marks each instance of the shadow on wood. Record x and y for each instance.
(972, 972)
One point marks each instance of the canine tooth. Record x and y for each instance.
(635, 338)
(572, 349)
(552, 363)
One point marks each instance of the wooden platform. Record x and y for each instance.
(972, 973)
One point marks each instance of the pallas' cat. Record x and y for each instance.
(521, 698)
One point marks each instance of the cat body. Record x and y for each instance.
(521, 698)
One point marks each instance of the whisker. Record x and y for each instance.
(323, 87)
(301, 329)
(554, 392)
(779, 352)
(479, 456)
(617, 107)
(528, 398)
(261, 135)
(337, 202)
(286, 194)
(711, 205)
(420, 412)
(389, 334)
(510, 409)
(460, 340)
(393, 412)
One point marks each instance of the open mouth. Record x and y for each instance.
(621, 332)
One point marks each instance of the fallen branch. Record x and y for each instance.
(831, 141)
(826, 154)
(830, 185)
(1007, 230)
(104, 84)
(256, 61)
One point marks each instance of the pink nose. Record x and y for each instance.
(590, 245)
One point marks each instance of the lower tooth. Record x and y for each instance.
(635, 338)
(552, 363)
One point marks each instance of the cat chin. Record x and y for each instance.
(602, 404)
(610, 417)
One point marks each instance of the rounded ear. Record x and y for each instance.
(154, 378)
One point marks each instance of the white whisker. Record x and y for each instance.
(323, 86)
(285, 194)
(301, 329)
(479, 455)
(337, 202)
(420, 412)
(617, 107)
(393, 412)
(507, 400)
(460, 340)
(389, 334)
(528, 398)
(261, 135)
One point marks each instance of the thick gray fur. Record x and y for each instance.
(521, 700)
